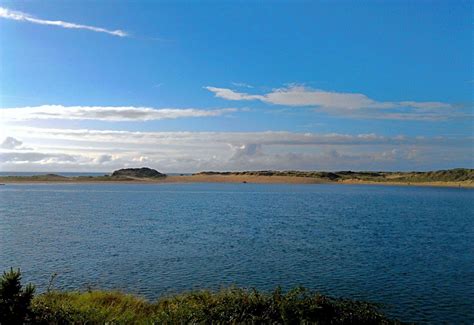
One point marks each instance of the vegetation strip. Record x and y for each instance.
(233, 305)
(459, 177)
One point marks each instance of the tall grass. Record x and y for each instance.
(233, 305)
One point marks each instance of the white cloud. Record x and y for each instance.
(202, 139)
(346, 104)
(232, 95)
(35, 157)
(10, 143)
(21, 16)
(102, 159)
(246, 150)
(105, 113)
(106, 150)
(303, 96)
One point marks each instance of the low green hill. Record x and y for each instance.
(451, 175)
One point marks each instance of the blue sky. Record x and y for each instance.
(251, 85)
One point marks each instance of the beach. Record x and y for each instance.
(205, 178)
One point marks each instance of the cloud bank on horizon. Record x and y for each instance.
(105, 150)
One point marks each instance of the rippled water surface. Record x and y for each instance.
(410, 248)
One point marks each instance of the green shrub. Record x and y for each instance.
(250, 306)
(15, 300)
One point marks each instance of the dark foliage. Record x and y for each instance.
(143, 172)
(15, 301)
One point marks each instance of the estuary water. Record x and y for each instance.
(409, 248)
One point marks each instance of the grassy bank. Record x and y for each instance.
(226, 306)
(18, 305)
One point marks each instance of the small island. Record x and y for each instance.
(143, 172)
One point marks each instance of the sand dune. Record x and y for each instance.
(203, 178)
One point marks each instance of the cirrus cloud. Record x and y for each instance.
(105, 113)
(21, 16)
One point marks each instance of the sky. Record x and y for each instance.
(187, 86)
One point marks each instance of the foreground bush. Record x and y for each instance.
(14, 299)
(233, 305)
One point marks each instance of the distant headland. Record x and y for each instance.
(459, 177)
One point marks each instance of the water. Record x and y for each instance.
(409, 248)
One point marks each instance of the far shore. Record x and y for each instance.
(205, 178)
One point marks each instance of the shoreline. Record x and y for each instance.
(233, 179)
